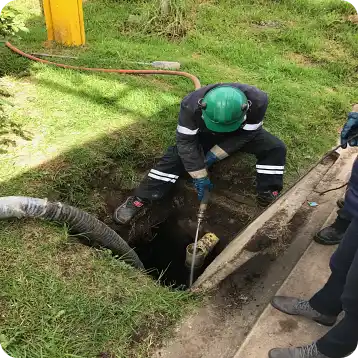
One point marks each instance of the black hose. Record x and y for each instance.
(79, 221)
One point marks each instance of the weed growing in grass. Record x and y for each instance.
(10, 131)
(169, 18)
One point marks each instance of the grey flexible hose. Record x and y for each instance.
(79, 221)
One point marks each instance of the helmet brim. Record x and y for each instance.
(221, 128)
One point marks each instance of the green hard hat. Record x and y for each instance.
(224, 109)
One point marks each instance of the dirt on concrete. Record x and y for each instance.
(288, 325)
(277, 233)
(222, 322)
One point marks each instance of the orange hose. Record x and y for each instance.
(194, 79)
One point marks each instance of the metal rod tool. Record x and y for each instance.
(201, 215)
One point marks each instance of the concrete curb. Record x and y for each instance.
(235, 255)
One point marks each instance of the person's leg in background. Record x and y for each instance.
(156, 185)
(271, 159)
(328, 299)
(333, 234)
(342, 339)
(339, 293)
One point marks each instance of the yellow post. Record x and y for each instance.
(64, 21)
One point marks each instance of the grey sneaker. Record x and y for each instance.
(128, 210)
(309, 351)
(296, 307)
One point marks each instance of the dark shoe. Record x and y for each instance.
(310, 351)
(128, 210)
(329, 236)
(332, 235)
(340, 203)
(296, 307)
(266, 198)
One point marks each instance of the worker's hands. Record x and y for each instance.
(201, 185)
(210, 159)
(350, 129)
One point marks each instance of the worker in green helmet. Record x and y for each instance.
(214, 122)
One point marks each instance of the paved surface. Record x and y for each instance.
(275, 329)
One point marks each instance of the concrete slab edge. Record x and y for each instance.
(231, 258)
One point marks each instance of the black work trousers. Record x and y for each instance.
(269, 151)
(341, 294)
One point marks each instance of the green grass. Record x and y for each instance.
(74, 136)
(63, 300)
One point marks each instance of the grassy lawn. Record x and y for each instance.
(79, 137)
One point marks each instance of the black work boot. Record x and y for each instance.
(128, 210)
(310, 351)
(340, 203)
(333, 235)
(296, 307)
(265, 198)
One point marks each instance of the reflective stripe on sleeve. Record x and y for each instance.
(187, 131)
(252, 127)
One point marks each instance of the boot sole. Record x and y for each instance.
(120, 222)
(123, 222)
(322, 241)
(327, 324)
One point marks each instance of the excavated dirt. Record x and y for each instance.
(275, 235)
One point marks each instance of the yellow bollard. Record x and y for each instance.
(64, 21)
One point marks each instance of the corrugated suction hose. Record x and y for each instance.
(79, 221)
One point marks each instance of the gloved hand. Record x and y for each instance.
(210, 159)
(349, 130)
(201, 185)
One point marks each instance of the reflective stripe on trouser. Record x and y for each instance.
(271, 159)
(270, 175)
(162, 178)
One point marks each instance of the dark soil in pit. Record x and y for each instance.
(162, 232)
(163, 254)
(163, 249)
